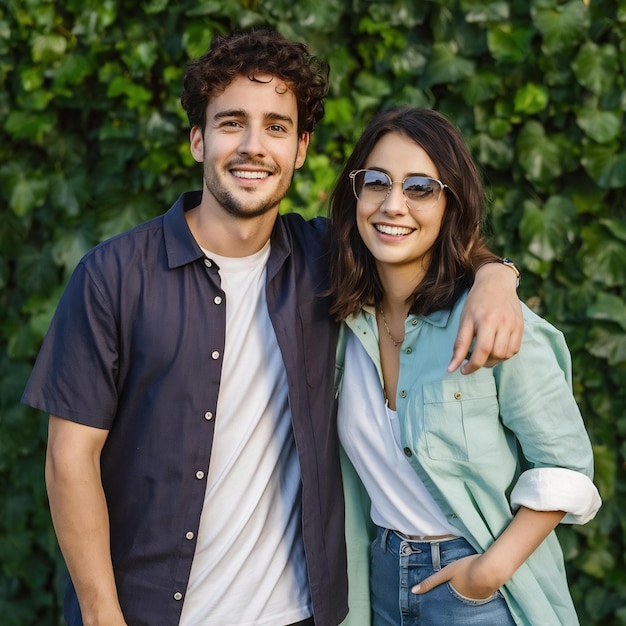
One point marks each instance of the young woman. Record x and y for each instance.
(466, 475)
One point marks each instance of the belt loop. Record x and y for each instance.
(436, 556)
(383, 541)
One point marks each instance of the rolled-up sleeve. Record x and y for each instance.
(557, 489)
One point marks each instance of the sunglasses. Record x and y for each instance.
(373, 187)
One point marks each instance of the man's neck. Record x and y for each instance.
(228, 235)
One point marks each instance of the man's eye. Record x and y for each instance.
(230, 124)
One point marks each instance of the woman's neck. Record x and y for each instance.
(398, 284)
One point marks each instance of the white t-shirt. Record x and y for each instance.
(249, 566)
(370, 433)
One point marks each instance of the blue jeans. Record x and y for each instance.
(398, 564)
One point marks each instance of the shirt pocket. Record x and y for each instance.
(461, 418)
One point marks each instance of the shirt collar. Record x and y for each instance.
(436, 318)
(182, 248)
(180, 245)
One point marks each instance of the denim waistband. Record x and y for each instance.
(428, 552)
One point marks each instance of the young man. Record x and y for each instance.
(192, 465)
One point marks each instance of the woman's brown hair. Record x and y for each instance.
(459, 249)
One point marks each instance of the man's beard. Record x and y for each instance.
(235, 207)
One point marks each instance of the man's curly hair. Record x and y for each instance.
(252, 53)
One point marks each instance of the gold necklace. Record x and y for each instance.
(394, 341)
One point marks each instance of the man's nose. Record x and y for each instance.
(252, 142)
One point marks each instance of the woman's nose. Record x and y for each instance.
(395, 202)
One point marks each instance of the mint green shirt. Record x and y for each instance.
(483, 444)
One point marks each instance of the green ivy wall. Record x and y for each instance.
(93, 141)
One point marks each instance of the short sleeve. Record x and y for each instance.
(75, 373)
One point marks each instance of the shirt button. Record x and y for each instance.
(217, 300)
(178, 596)
(208, 415)
(215, 355)
(413, 322)
(403, 394)
(189, 535)
(409, 350)
(458, 395)
(407, 452)
(199, 474)
(208, 263)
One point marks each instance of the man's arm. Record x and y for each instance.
(80, 517)
(492, 313)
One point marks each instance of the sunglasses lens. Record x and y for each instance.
(372, 186)
(420, 189)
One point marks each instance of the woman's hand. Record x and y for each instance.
(479, 576)
(467, 576)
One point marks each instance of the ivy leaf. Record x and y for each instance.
(605, 164)
(562, 27)
(497, 153)
(446, 65)
(537, 154)
(479, 87)
(608, 307)
(508, 43)
(617, 228)
(484, 12)
(547, 231)
(24, 189)
(36, 268)
(155, 6)
(136, 95)
(33, 125)
(197, 33)
(70, 248)
(531, 99)
(32, 78)
(63, 194)
(595, 67)
(602, 258)
(410, 61)
(608, 345)
(339, 112)
(604, 470)
(601, 126)
(47, 48)
(370, 90)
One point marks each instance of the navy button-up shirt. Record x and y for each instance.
(136, 347)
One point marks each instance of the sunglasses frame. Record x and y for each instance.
(409, 203)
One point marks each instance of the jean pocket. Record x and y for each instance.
(472, 601)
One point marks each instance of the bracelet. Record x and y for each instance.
(508, 263)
